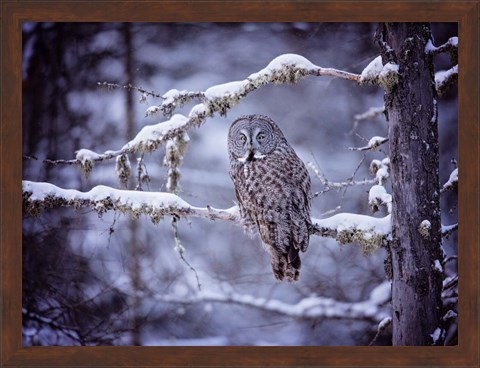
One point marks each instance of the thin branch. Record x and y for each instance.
(371, 113)
(129, 87)
(448, 230)
(70, 331)
(372, 145)
(181, 250)
(337, 185)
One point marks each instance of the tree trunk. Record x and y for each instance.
(416, 230)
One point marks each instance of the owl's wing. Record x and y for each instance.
(299, 204)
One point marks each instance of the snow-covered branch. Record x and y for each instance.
(372, 144)
(451, 46)
(287, 68)
(452, 182)
(444, 79)
(101, 199)
(369, 232)
(375, 308)
(447, 230)
(383, 75)
(371, 113)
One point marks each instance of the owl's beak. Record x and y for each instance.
(251, 156)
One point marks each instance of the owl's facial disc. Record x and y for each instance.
(247, 140)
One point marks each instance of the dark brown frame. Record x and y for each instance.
(466, 13)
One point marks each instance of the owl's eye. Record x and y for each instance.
(260, 137)
(243, 138)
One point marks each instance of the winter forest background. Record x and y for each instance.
(112, 280)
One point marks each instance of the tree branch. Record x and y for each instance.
(451, 46)
(452, 182)
(372, 145)
(444, 79)
(369, 232)
(373, 309)
(287, 68)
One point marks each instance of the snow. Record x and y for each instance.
(85, 155)
(130, 198)
(378, 195)
(449, 315)
(376, 141)
(382, 174)
(443, 75)
(429, 47)
(150, 135)
(225, 90)
(384, 323)
(437, 334)
(152, 110)
(389, 68)
(438, 265)
(451, 180)
(310, 307)
(350, 221)
(447, 228)
(171, 95)
(293, 60)
(196, 110)
(426, 224)
(381, 294)
(372, 71)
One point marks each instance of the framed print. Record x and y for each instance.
(213, 183)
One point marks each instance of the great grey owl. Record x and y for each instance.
(272, 187)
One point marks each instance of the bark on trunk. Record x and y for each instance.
(413, 137)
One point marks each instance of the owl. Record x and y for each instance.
(272, 187)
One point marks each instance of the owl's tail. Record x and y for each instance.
(286, 265)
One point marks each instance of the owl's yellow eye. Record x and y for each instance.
(260, 137)
(243, 138)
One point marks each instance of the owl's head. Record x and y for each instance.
(251, 137)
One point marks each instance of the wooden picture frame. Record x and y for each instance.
(13, 13)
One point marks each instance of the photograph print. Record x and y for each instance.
(239, 184)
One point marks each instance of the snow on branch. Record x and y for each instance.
(287, 68)
(371, 113)
(369, 232)
(447, 230)
(374, 309)
(451, 46)
(372, 144)
(102, 199)
(383, 75)
(444, 79)
(148, 139)
(452, 182)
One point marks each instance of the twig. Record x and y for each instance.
(129, 87)
(181, 250)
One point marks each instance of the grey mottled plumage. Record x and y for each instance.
(272, 187)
